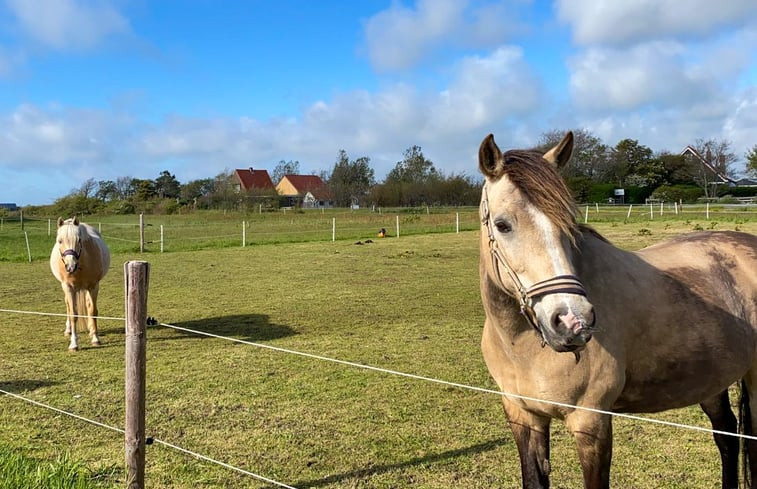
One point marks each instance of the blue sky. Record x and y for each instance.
(98, 89)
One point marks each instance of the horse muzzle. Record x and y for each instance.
(570, 327)
(70, 260)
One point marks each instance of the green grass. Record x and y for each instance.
(410, 304)
(17, 471)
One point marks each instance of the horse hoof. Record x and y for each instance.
(74, 349)
(96, 343)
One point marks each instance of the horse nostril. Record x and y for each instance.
(593, 317)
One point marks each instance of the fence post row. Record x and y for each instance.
(136, 281)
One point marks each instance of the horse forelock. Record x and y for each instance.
(543, 187)
(70, 232)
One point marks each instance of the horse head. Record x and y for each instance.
(529, 230)
(69, 243)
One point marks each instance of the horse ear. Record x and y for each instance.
(76, 221)
(60, 221)
(561, 153)
(490, 158)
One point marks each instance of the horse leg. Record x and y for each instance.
(71, 312)
(531, 433)
(593, 435)
(748, 421)
(92, 314)
(718, 409)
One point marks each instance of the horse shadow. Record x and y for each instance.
(247, 327)
(19, 386)
(380, 469)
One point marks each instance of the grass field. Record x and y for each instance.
(409, 304)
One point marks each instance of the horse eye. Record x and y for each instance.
(503, 226)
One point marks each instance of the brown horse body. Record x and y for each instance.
(79, 260)
(676, 323)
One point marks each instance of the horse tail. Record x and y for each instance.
(745, 428)
(80, 299)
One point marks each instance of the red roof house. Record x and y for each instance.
(305, 190)
(253, 179)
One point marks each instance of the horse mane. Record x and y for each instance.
(543, 187)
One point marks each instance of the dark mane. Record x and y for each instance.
(543, 187)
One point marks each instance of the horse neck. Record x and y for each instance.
(596, 256)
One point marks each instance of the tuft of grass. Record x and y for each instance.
(18, 471)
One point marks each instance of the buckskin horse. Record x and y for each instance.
(79, 260)
(671, 325)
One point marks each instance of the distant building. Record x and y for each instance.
(9, 206)
(716, 177)
(307, 191)
(249, 179)
(746, 182)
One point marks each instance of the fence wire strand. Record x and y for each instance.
(154, 440)
(431, 379)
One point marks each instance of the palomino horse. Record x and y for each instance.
(79, 260)
(672, 325)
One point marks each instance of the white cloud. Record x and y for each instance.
(68, 24)
(400, 37)
(486, 90)
(655, 73)
(485, 93)
(627, 22)
(54, 137)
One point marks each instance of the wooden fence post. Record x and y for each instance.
(136, 281)
(141, 233)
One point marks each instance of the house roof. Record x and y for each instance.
(250, 178)
(746, 182)
(309, 183)
(721, 177)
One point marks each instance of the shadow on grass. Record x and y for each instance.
(19, 386)
(380, 469)
(248, 327)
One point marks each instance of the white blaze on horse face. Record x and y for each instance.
(553, 246)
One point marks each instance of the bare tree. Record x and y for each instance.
(715, 163)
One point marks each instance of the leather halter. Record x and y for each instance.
(71, 252)
(560, 284)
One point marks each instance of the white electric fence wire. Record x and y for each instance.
(436, 381)
(154, 440)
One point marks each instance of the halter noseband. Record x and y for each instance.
(70, 252)
(561, 284)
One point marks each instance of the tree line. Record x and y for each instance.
(595, 170)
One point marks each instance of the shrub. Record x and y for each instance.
(678, 193)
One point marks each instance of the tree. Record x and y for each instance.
(677, 169)
(411, 180)
(124, 187)
(632, 163)
(350, 181)
(285, 168)
(718, 160)
(143, 189)
(751, 160)
(590, 154)
(106, 190)
(414, 168)
(195, 190)
(167, 186)
(224, 195)
(87, 189)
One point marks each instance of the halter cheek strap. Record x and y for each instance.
(561, 284)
